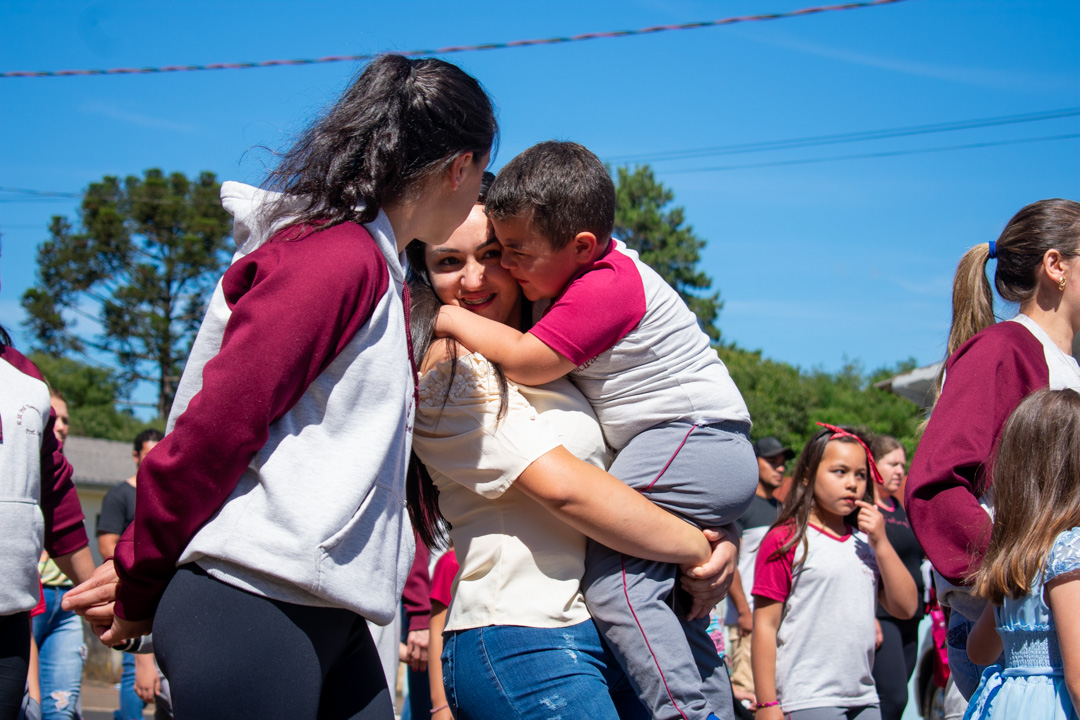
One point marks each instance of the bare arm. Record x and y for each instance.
(598, 505)
(983, 643)
(767, 614)
(1063, 597)
(522, 356)
(106, 543)
(738, 598)
(147, 682)
(897, 594)
(78, 565)
(435, 648)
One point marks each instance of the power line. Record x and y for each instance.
(460, 48)
(832, 139)
(884, 154)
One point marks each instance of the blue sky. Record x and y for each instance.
(817, 262)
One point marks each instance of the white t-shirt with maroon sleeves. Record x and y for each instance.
(642, 359)
(825, 642)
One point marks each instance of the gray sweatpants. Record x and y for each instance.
(705, 474)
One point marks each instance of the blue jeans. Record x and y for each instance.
(964, 673)
(507, 671)
(131, 705)
(62, 652)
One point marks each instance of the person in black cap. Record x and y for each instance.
(752, 526)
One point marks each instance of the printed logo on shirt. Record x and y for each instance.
(586, 364)
(30, 416)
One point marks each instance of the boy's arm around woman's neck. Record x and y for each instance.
(522, 356)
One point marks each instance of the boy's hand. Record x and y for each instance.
(871, 522)
(708, 583)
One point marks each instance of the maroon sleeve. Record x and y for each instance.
(445, 572)
(60, 507)
(417, 594)
(596, 311)
(985, 379)
(295, 305)
(772, 575)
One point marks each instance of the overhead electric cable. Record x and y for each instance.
(832, 139)
(460, 48)
(864, 156)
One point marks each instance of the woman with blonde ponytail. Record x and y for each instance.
(990, 368)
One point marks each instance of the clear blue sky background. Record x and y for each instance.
(818, 263)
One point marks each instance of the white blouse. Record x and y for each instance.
(520, 565)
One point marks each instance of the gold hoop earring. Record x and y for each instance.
(1061, 284)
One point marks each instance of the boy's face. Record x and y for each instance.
(542, 271)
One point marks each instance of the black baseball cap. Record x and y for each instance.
(770, 447)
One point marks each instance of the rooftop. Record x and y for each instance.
(99, 462)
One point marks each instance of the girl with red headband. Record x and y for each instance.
(821, 571)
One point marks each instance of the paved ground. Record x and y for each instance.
(99, 699)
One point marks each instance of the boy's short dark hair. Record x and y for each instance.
(561, 187)
(147, 435)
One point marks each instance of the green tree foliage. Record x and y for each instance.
(645, 221)
(142, 265)
(787, 402)
(91, 395)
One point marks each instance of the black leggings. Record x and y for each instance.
(230, 654)
(14, 662)
(894, 662)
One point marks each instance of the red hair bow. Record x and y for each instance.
(839, 432)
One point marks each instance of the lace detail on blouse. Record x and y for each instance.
(474, 381)
(1064, 555)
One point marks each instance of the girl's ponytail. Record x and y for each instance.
(972, 299)
(399, 123)
(1038, 228)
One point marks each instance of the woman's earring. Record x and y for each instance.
(1061, 284)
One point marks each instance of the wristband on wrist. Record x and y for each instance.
(441, 707)
(774, 703)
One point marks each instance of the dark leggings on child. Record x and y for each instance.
(894, 662)
(14, 662)
(230, 654)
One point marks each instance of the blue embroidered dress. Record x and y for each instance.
(1032, 683)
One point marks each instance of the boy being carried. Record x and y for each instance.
(664, 399)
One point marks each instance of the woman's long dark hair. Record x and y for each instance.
(421, 493)
(795, 512)
(5, 339)
(401, 121)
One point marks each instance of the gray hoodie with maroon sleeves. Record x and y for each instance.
(283, 470)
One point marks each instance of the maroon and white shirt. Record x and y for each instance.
(38, 503)
(986, 378)
(642, 360)
(825, 642)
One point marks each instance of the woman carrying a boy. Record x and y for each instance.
(665, 402)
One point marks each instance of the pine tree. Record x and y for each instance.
(646, 223)
(147, 255)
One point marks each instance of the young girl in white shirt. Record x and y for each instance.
(820, 573)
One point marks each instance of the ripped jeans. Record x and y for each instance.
(508, 671)
(62, 652)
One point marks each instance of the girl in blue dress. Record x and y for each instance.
(1032, 567)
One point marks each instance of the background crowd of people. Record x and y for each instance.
(404, 337)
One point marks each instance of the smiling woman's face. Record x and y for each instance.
(465, 271)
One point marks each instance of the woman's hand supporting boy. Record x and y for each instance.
(897, 593)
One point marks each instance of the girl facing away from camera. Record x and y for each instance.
(272, 525)
(991, 367)
(821, 571)
(1030, 574)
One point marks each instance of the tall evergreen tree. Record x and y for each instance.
(646, 223)
(142, 265)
